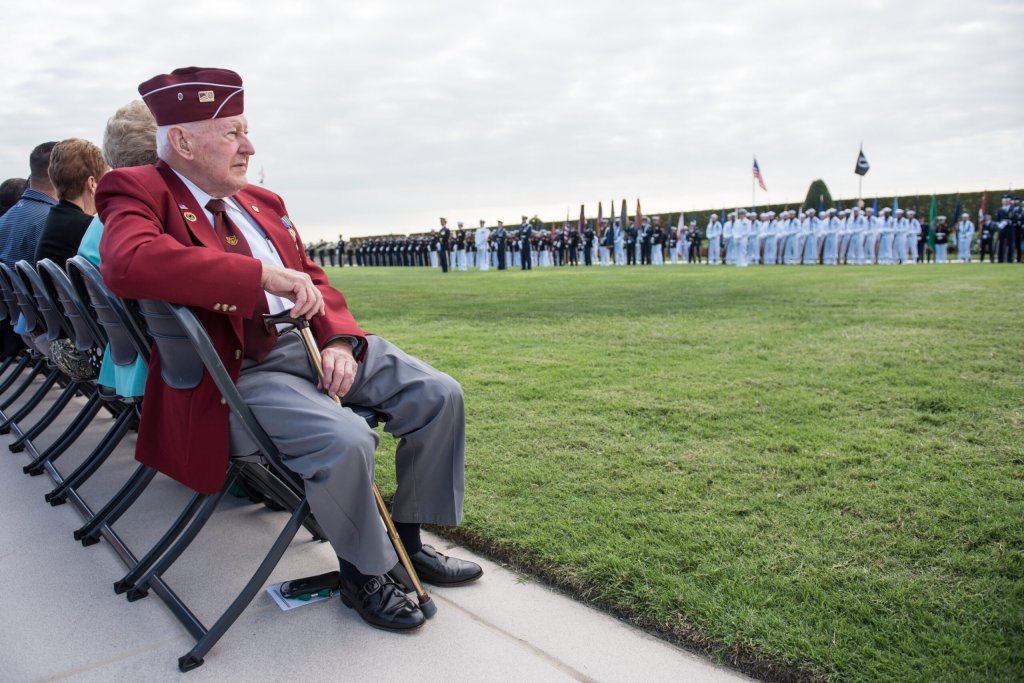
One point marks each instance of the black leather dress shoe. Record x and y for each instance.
(382, 603)
(441, 570)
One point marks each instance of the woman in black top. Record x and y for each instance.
(76, 167)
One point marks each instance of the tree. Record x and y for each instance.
(818, 191)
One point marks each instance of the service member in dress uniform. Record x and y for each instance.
(444, 237)
(525, 239)
(631, 244)
(588, 245)
(964, 236)
(500, 238)
(483, 247)
(941, 239)
(986, 240)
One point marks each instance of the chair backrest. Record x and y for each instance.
(23, 300)
(126, 340)
(184, 345)
(85, 330)
(53, 320)
(180, 365)
(8, 304)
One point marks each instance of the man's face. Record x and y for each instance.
(222, 150)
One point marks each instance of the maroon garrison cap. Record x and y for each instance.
(193, 94)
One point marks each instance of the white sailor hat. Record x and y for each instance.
(911, 212)
(940, 218)
(886, 208)
(965, 215)
(810, 212)
(900, 211)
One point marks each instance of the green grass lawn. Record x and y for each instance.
(806, 472)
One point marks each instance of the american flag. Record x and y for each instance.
(757, 174)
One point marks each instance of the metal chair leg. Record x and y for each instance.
(186, 537)
(70, 391)
(67, 437)
(194, 658)
(89, 534)
(58, 496)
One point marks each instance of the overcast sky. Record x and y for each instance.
(381, 116)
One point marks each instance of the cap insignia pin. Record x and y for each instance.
(206, 96)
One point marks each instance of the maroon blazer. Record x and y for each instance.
(158, 244)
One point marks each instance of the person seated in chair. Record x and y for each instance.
(190, 230)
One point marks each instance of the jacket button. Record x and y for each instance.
(223, 401)
(232, 308)
(238, 353)
(216, 307)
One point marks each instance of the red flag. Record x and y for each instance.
(600, 215)
(757, 174)
(639, 215)
(582, 220)
(981, 211)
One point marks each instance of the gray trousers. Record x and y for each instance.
(331, 447)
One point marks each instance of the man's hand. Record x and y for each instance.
(294, 286)
(339, 368)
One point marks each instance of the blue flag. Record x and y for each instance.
(876, 206)
(821, 203)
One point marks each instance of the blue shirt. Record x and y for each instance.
(21, 225)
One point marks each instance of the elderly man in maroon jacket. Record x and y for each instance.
(190, 230)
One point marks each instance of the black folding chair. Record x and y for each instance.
(51, 321)
(55, 327)
(36, 347)
(87, 334)
(186, 353)
(9, 311)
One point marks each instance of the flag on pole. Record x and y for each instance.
(874, 207)
(639, 215)
(583, 220)
(623, 223)
(758, 176)
(932, 213)
(600, 216)
(956, 214)
(821, 203)
(895, 206)
(981, 209)
(862, 166)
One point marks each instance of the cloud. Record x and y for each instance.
(382, 116)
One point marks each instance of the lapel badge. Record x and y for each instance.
(182, 207)
(189, 216)
(206, 96)
(287, 222)
(231, 240)
(255, 208)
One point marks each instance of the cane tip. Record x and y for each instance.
(427, 606)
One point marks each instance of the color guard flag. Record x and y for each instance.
(583, 221)
(758, 176)
(862, 163)
(981, 209)
(639, 215)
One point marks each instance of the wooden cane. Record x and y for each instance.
(427, 605)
